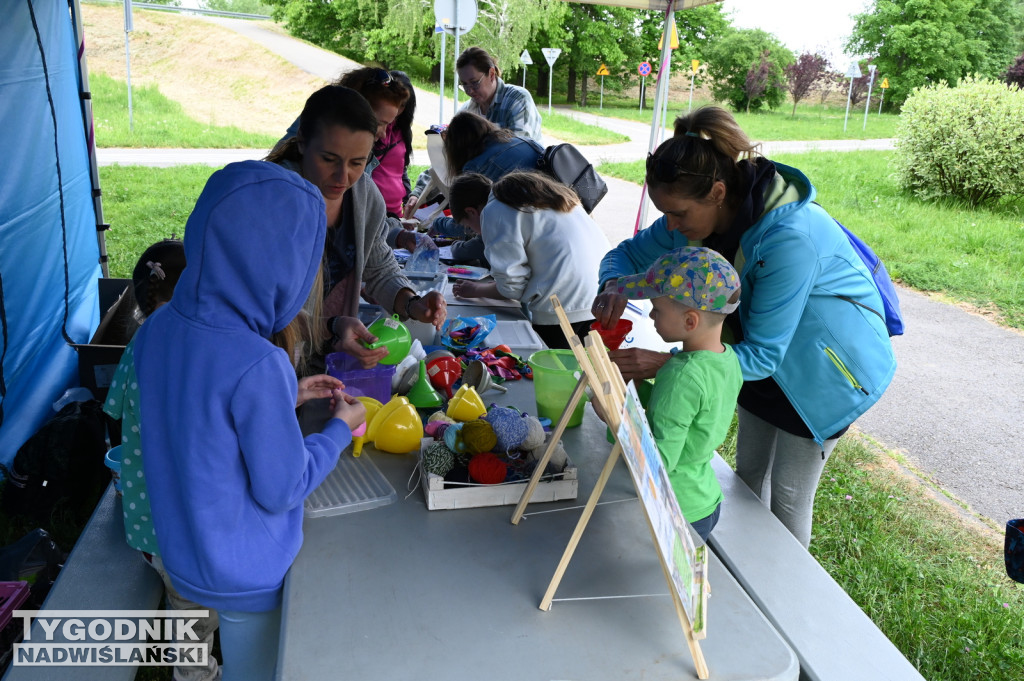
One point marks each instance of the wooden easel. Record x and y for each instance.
(609, 392)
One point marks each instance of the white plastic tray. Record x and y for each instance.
(355, 484)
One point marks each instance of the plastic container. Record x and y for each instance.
(375, 382)
(113, 461)
(555, 374)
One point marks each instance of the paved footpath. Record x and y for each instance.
(956, 407)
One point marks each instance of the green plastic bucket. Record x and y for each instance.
(555, 374)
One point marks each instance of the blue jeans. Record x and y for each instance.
(249, 643)
(704, 526)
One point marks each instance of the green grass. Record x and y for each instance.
(972, 255)
(811, 122)
(570, 130)
(933, 583)
(158, 121)
(144, 205)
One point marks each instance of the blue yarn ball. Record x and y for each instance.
(509, 426)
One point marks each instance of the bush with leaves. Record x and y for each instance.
(730, 60)
(804, 74)
(1015, 74)
(965, 141)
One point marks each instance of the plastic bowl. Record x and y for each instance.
(555, 374)
(113, 461)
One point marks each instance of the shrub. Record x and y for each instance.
(965, 141)
(730, 60)
(1015, 74)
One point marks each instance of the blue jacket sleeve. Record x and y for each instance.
(283, 467)
(636, 254)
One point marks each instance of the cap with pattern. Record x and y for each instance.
(695, 276)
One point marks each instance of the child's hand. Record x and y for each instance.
(317, 387)
(465, 289)
(348, 408)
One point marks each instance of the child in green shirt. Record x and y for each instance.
(694, 396)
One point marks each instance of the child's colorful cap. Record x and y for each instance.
(698, 277)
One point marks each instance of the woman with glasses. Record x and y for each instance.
(336, 132)
(815, 353)
(508, 107)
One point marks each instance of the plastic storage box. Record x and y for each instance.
(375, 382)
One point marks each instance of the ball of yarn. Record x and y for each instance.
(509, 427)
(487, 469)
(478, 436)
(435, 429)
(441, 417)
(438, 459)
(534, 433)
(452, 439)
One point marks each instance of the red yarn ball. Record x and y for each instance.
(487, 469)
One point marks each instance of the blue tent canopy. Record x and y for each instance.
(49, 254)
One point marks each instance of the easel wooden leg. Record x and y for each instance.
(588, 510)
(556, 435)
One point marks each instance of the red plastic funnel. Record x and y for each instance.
(614, 336)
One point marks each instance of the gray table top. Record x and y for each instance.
(400, 592)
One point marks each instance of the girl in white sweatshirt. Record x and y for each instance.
(539, 241)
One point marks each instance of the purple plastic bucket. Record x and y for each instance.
(375, 382)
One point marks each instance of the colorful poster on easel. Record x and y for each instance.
(687, 564)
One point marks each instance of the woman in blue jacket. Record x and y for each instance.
(812, 360)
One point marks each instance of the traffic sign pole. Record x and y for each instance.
(694, 65)
(551, 55)
(867, 103)
(444, 36)
(851, 73)
(644, 69)
(602, 94)
(884, 86)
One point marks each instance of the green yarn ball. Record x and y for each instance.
(478, 436)
(438, 459)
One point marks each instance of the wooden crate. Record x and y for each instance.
(441, 495)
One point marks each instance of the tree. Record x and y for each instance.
(803, 74)
(758, 79)
(730, 59)
(1015, 74)
(241, 6)
(592, 35)
(928, 41)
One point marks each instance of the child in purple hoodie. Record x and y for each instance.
(226, 465)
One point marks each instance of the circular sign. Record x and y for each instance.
(447, 12)
(644, 69)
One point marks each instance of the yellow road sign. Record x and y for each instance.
(694, 65)
(603, 71)
(673, 42)
(885, 83)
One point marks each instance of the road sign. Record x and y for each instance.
(551, 54)
(885, 83)
(526, 59)
(694, 65)
(854, 70)
(463, 11)
(644, 69)
(673, 42)
(603, 71)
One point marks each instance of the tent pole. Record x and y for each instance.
(85, 97)
(661, 95)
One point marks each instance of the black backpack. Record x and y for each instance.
(62, 460)
(565, 163)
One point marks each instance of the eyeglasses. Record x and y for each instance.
(665, 169)
(383, 77)
(471, 85)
